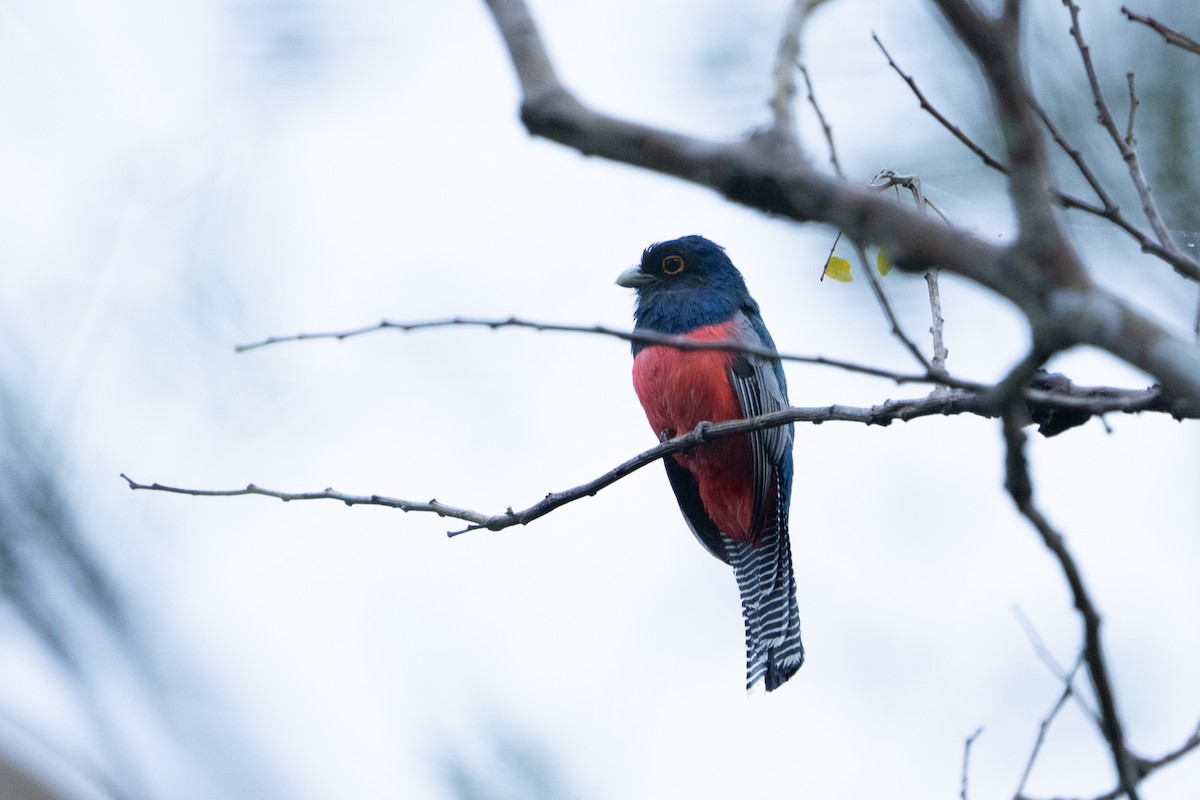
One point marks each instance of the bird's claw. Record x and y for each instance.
(666, 435)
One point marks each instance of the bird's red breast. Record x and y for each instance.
(679, 389)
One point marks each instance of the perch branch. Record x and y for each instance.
(1074, 401)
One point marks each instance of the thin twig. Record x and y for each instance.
(430, 506)
(1067, 692)
(1170, 35)
(1049, 392)
(825, 127)
(833, 247)
(886, 306)
(1127, 151)
(970, 740)
(1192, 743)
(1179, 261)
(885, 179)
(937, 326)
(787, 56)
(1064, 676)
(1183, 264)
(645, 337)
(1133, 105)
(1073, 153)
(928, 107)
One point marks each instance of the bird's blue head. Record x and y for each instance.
(685, 284)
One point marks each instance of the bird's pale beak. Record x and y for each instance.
(634, 278)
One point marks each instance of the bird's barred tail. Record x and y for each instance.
(768, 590)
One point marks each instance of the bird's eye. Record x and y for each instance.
(672, 265)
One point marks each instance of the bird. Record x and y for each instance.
(734, 492)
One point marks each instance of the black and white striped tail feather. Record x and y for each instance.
(767, 585)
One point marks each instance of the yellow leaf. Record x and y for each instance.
(883, 263)
(838, 269)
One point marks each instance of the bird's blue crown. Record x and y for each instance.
(687, 283)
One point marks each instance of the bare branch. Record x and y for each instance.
(1042, 275)
(1020, 487)
(1076, 157)
(1192, 743)
(825, 127)
(431, 506)
(786, 59)
(1180, 261)
(995, 43)
(1126, 148)
(1183, 264)
(886, 306)
(1133, 105)
(928, 107)
(703, 433)
(1067, 692)
(646, 337)
(1170, 35)
(1055, 403)
(1064, 676)
(956, 401)
(885, 179)
(833, 248)
(966, 762)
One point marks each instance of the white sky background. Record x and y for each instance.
(182, 177)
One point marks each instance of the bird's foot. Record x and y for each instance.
(666, 435)
(701, 430)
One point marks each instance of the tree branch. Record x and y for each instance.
(1078, 404)
(929, 108)
(886, 179)
(1183, 264)
(1067, 692)
(826, 129)
(885, 305)
(1054, 401)
(645, 337)
(787, 58)
(1020, 487)
(1124, 146)
(966, 761)
(1170, 35)
(1046, 282)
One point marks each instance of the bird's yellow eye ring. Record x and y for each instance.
(672, 265)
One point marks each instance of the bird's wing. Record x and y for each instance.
(760, 390)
